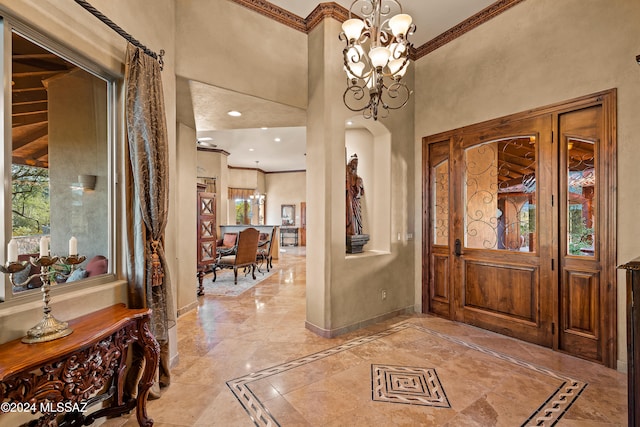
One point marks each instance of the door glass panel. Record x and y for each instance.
(440, 212)
(500, 195)
(581, 197)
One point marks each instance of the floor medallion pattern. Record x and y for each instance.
(408, 385)
(416, 386)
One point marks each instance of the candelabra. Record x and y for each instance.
(49, 328)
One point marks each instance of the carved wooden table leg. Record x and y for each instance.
(151, 351)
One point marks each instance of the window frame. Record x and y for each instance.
(9, 24)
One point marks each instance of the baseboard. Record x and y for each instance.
(173, 362)
(187, 308)
(331, 333)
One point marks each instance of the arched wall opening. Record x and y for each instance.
(371, 142)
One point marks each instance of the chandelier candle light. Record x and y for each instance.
(376, 57)
(49, 328)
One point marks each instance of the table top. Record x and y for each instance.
(16, 356)
(632, 265)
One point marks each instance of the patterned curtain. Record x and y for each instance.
(147, 197)
(240, 193)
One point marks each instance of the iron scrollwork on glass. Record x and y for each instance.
(500, 198)
(440, 211)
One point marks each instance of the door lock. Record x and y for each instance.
(457, 249)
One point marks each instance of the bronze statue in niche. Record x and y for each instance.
(354, 191)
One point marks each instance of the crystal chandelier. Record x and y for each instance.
(379, 71)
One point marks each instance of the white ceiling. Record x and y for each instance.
(237, 135)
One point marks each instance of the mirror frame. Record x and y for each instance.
(288, 211)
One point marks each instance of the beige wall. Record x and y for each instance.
(538, 53)
(244, 178)
(186, 198)
(224, 44)
(287, 188)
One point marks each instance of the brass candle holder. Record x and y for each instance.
(49, 328)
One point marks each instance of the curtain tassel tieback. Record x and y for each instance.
(157, 274)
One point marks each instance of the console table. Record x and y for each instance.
(289, 233)
(633, 340)
(69, 372)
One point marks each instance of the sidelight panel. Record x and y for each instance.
(581, 197)
(441, 203)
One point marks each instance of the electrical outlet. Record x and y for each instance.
(383, 294)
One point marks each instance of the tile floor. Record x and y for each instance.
(248, 360)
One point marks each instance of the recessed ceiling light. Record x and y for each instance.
(349, 123)
(234, 113)
(277, 139)
(205, 138)
(251, 149)
(263, 128)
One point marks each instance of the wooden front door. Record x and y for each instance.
(520, 226)
(501, 266)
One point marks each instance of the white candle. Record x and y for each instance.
(12, 251)
(73, 246)
(44, 246)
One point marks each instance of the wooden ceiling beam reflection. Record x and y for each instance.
(29, 120)
(41, 153)
(29, 162)
(35, 133)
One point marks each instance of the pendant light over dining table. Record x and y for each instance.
(376, 57)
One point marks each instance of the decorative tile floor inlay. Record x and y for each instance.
(549, 412)
(408, 385)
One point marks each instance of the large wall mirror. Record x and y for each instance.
(59, 160)
(288, 215)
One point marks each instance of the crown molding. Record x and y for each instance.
(287, 171)
(334, 10)
(465, 26)
(245, 168)
(213, 150)
(274, 12)
(263, 171)
(326, 10)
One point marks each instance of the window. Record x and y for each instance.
(243, 211)
(59, 161)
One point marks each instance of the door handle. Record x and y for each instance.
(457, 248)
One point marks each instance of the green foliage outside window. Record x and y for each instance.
(29, 200)
(243, 211)
(580, 236)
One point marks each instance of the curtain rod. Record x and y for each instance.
(95, 12)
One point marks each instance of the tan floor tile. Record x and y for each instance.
(230, 338)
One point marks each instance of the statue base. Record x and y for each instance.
(356, 242)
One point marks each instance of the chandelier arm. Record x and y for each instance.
(358, 93)
(393, 91)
